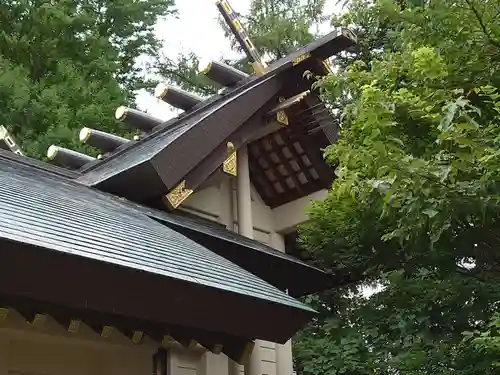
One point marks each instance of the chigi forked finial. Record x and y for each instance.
(235, 25)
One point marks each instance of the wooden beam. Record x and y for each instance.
(221, 73)
(261, 132)
(298, 159)
(266, 191)
(287, 103)
(273, 166)
(71, 324)
(137, 119)
(176, 97)
(103, 141)
(285, 163)
(68, 158)
(312, 152)
(211, 131)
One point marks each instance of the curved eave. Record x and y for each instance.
(62, 243)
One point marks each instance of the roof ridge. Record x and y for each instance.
(37, 164)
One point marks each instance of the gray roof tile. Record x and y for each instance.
(44, 210)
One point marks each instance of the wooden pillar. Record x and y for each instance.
(226, 203)
(284, 358)
(226, 218)
(4, 350)
(213, 364)
(245, 228)
(245, 225)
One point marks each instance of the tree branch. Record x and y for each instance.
(182, 78)
(492, 41)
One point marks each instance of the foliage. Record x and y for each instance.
(68, 64)
(279, 27)
(414, 210)
(184, 71)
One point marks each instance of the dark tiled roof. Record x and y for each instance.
(321, 48)
(278, 268)
(163, 137)
(41, 209)
(14, 159)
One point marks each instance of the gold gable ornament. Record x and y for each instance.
(281, 116)
(177, 195)
(229, 165)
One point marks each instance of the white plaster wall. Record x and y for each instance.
(209, 203)
(48, 349)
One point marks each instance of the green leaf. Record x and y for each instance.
(430, 212)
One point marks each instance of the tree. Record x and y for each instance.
(67, 64)
(276, 28)
(414, 210)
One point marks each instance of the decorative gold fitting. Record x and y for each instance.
(229, 165)
(301, 58)
(282, 118)
(38, 320)
(177, 195)
(106, 331)
(258, 68)
(4, 313)
(137, 337)
(74, 325)
(327, 66)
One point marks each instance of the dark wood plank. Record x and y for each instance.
(285, 163)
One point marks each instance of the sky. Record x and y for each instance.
(196, 29)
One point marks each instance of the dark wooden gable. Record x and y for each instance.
(187, 150)
(288, 164)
